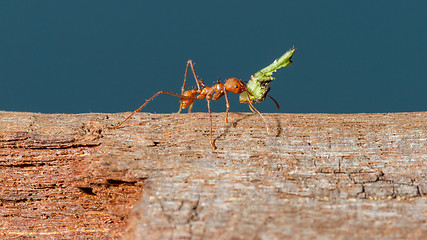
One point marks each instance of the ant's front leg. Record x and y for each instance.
(227, 104)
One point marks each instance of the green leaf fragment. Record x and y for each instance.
(259, 83)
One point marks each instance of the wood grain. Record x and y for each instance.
(333, 176)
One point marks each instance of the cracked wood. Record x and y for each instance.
(315, 176)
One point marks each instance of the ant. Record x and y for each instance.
(219, 89)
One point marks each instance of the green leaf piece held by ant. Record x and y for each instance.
(259, 84)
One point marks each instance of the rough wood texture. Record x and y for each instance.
(324, 176)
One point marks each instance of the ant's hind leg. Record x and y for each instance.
(190, 63)
(149, 100)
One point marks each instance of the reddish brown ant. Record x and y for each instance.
(215, 92)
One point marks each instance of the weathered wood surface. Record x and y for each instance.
(316, 176)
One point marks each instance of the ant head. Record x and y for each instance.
(234, 85)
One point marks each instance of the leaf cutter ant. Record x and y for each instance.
(248, 93)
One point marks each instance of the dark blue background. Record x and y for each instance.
(109, 56)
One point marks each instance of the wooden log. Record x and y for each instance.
(333, 176)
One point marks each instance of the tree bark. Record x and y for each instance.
(333, 176)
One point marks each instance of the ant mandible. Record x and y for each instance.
(215, 92)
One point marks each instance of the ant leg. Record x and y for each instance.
(210, 117)
(254, 110)
(227, 104)
(149, 100)
(190, 107)
(195, 75)
(190, 63)
(251, 107)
